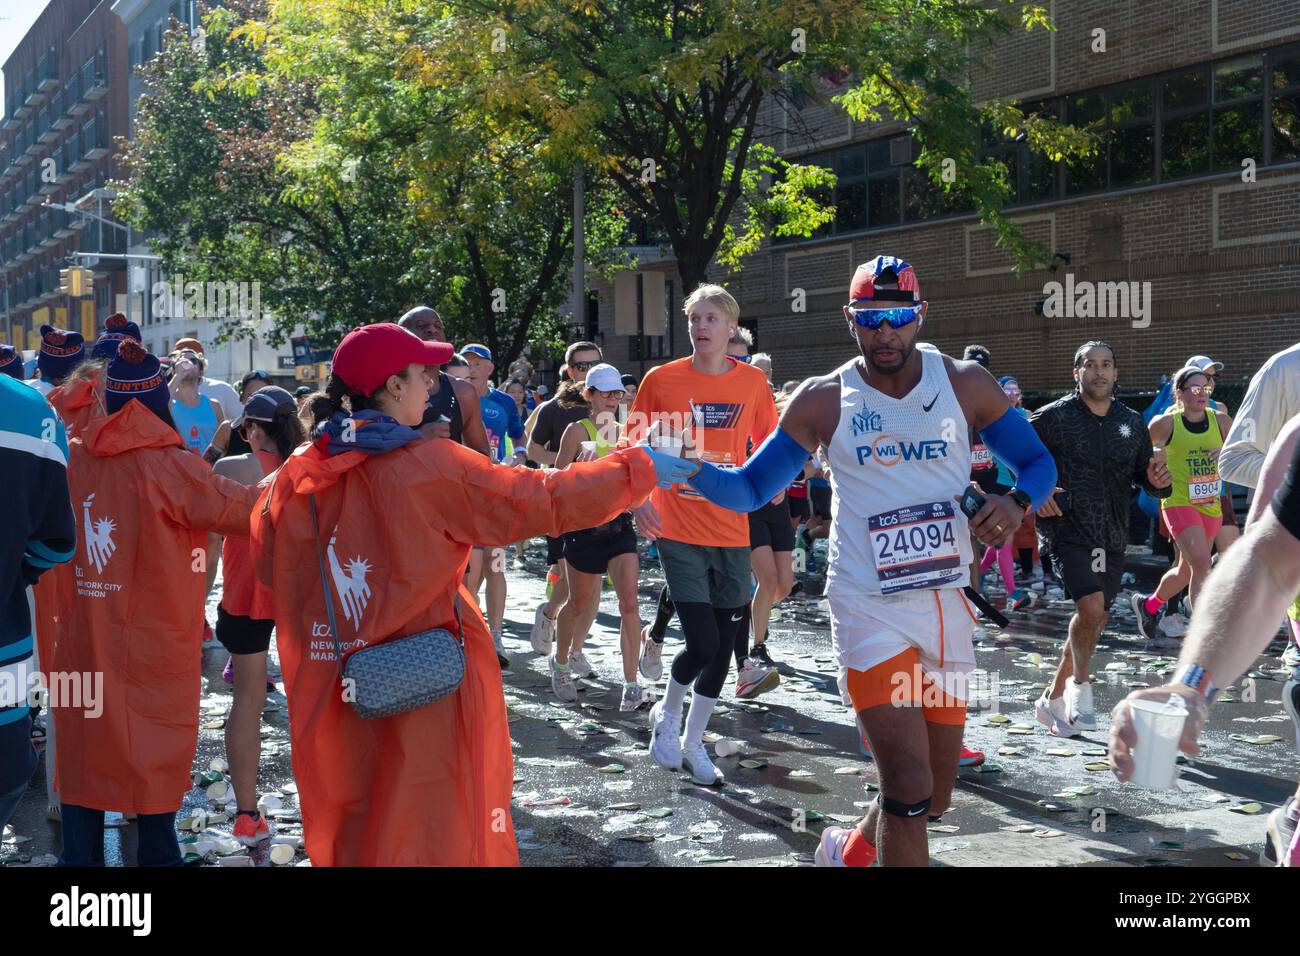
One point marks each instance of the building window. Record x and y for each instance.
(1189, 122)
(1185, 124)
(1284, 106)
(1238, 112)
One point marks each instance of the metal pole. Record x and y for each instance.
(579, 297)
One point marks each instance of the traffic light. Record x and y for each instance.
(75, 281)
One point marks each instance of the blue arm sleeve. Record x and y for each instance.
(778, 461)
(1014, 440)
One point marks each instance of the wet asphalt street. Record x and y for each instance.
(587, 793)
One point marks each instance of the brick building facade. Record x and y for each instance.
(1185, 91)
(65, 101)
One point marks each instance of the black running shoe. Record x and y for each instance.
(1146, 621)
(759, 653)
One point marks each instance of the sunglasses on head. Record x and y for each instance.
(896, 317)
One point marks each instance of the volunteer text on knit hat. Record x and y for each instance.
(177, 298)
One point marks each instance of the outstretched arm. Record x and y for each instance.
(1247, 593)
(780, 459)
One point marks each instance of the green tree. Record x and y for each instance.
(208, 178)
(665, 98)
(301, 147)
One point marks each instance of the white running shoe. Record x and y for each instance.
(665, 744)
(1173, 625)
(696, 760)
(652, 656)
(562, 682)
(500, 646)
(633, 697)
(830, 851)
(755, 679)
(543, 631)
(1078, 706)
(1051, 713)
(581, 666)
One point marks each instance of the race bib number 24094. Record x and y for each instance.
(916, 546)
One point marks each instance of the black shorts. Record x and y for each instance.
(799, 508)
(821, 501)
(590, 551)
(554, 550)
(770, 526)
(1074, 566)
(243, 635)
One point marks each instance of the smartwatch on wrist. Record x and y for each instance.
(1020, 497)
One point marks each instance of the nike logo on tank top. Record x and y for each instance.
(895, 470)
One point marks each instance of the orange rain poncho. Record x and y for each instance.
(135, 614)
(431, 786)
(78, 402)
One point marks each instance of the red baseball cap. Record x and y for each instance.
(889, 268)
(370, 353)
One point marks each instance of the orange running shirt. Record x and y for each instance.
(719, 414)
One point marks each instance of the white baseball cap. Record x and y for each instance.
(604, 378)
(1204, 363)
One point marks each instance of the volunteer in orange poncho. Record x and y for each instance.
(78, 400)
(398, 516)
(143, 508)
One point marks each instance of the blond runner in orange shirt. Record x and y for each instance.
(716, 407)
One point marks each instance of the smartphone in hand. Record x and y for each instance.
(972, 501)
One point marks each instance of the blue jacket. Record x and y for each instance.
(38, 532)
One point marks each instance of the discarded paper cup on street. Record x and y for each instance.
(270, 801)
(218, 765)
(218, 790)
(1159, 726)
(241, 860)
(281, 854)
(726, 748)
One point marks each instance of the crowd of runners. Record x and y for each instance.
(381, 509)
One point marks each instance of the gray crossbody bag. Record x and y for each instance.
(399, 675)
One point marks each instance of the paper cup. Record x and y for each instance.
(669, 445)
(589, 447)
(281, 854)
(1159, 726)
(218, 765)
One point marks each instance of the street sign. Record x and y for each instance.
(305, 354)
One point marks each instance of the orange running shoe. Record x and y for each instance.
(250, 830)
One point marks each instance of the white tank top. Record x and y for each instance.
(896, 465)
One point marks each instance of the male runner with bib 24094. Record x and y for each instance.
(895, 425)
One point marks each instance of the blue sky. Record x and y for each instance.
(16, 18)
